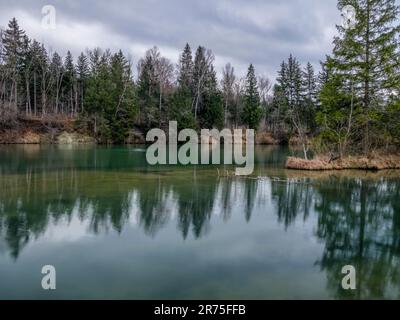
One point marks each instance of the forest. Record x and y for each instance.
(349, 106)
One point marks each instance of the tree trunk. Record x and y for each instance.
(28, 97)
(34, 94)
(367, 80)
(160, 106)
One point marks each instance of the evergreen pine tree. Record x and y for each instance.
(121, 113)
(212, 114)
(57, 74)
(252, 111)
(202, 63)
(185, 77)
(147, 93)
(83, 72)
(70, 83)
(13, 43)
(182, 98)
(309, 96)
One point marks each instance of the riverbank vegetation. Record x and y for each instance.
(359, 106)
(371, 162)
(350, 108)
(99, 93)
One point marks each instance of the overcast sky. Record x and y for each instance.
(262, 32)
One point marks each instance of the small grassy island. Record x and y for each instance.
(375, 162)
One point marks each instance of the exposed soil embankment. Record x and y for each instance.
(24, 136)
(266, 138)
(31, 130)
(376, 162)
(28, 136)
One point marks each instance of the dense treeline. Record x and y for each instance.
(100, 92)
(99, 88)
(351, 106)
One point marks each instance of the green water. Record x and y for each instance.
(115, 228)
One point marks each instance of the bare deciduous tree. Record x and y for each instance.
(164, 72)
(227, 83)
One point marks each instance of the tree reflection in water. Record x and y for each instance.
(356, 219)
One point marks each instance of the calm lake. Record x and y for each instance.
(117, 228)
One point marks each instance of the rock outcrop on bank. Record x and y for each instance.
(266, 138)
(44, 130)
(20, 137)
(376, 162)
(74, 138)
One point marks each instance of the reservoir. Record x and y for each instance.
(115, 227)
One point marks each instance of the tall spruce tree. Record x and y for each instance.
(121, 113)
(182, 98)
(278, 113)
(83, 72)
(310, 85)
(12, 43)
(309, 96)
(296, 92)
(70, 84)
(202, 64)
(212, 114)
(148, 92)
(25, 74)
(57, 74)
(293, 84)
(252, 112)
(45, 78)
(185, 77)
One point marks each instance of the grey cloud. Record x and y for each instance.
(235, 30)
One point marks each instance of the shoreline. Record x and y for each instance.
(323, 163)
(65, 135)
